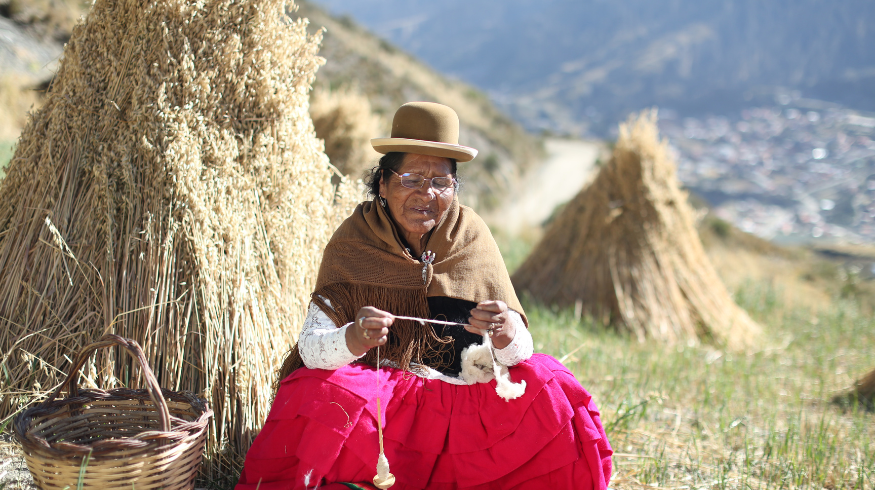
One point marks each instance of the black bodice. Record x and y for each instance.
(452, 310)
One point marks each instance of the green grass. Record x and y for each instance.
(514, 249)
(7, 148)
(697, 417)
(693, 416)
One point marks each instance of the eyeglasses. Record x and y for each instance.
(415, 181)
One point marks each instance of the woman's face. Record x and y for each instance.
(417, 211)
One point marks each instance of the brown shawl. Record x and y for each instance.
(365, 264)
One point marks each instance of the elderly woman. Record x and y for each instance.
(414, 251)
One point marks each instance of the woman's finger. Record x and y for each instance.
(494, 306)
(483, 322)
(372, 327)
(371, 312)
(477, 330)
(485, 316)
(373, 323)
(375, 336)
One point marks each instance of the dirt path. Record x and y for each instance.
(13, 471)
(569, 165)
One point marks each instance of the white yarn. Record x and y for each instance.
(480, 366)
(477, 364)
(506, 388)
(307, 477)
(382, 467)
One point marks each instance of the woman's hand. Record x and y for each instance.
(492, 316)
(370, 329)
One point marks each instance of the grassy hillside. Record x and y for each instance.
(695, 416)
(388, 77)
(698, 417)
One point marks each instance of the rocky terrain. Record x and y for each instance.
(22, 52)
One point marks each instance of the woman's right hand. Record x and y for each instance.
(370, 329)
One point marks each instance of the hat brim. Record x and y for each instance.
(433, 148)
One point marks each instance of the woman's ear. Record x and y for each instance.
(382, 184)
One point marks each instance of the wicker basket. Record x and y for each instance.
(123, 438)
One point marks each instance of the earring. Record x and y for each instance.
(382, 201)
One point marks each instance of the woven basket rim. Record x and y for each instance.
(180, 429)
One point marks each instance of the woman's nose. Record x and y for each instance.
(427, 189)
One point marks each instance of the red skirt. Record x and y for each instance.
(322, 429)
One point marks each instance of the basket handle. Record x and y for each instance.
(136, 351)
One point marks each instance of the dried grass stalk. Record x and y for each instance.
(345, 121)
(171, 190)
(625, 250)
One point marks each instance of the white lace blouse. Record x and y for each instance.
(323, 346)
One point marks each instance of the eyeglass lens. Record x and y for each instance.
(415, 181)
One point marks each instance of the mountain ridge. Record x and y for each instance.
(355, 60)
(389, 77)
(580, 67)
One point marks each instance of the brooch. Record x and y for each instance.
(427, 258)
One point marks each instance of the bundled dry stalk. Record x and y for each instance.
(865, 386)
(625, 250)
(170, 190)
(863, 392)
(345, 121)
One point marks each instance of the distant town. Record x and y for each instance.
(798, 171)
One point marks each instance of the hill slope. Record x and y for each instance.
(356, 60)
(390, 77)
(582, 66)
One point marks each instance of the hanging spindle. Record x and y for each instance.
(384, 479)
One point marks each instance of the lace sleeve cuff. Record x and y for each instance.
(520, 348)
(322, 345)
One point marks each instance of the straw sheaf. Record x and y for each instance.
(626, 251)
(345, 121)
(171, 190)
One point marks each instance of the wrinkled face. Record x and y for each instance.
(417, 211)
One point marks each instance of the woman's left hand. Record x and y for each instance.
(492, 315)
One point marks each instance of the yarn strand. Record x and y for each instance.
(380, 426)
(426, 320)
(384, 479)
(379, 416)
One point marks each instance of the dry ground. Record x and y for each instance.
(13, 471)
(568, 166)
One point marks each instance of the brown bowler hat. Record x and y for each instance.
(425, 128)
